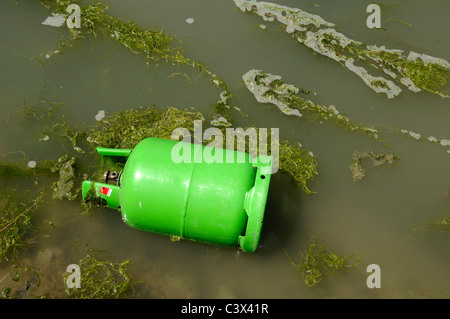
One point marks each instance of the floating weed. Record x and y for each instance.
(291, 159)
(20, 283)
(415, 71)
(421, 137)
(15, 222)
(52, 121)
(319, 259)
(14, 170)
(378, 159)
(440, 224)
(102, 280)
(180, 74)
(269, 88)
(63, 166)
(125, 129)
(154, 44)
(299, 163)
(17, 207)
(92, 199)
(63, 188)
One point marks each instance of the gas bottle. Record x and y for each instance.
(219, 202)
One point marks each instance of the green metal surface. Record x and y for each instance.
(113, 151)
(219, 202)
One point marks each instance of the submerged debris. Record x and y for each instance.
(319, 259)
(15, 223)
(102, 280)
(269, 88)
(63, 188)
(415, 71)
(378, 159)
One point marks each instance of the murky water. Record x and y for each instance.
(374, 218)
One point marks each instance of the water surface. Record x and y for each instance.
(374, 218)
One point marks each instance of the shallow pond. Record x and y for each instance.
(382, 218)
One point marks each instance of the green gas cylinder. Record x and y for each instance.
(220, 202)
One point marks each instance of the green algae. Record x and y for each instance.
(440, 224)
(63, 166)
(16, 222)
(378, 159)
(125, 129)
(92, 200)
(318, 260)
(421, 137)
(64, 187)
(156, 45)
(299, 163)
(269, 88)
(17, 207)
(102, 280)
(49, 116)
(21, 280)
(14, 170)
(415, 71)
(291, 159)
(313, 269)
(18, 165)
